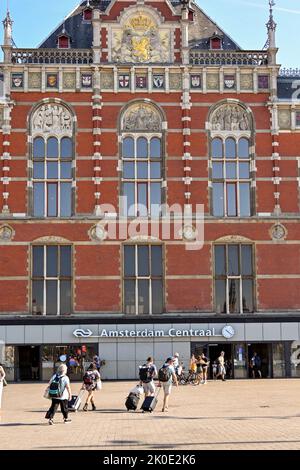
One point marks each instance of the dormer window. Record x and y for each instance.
(87, 14)
(63, 42)
(215, 42)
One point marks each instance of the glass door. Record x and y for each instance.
(240, 361)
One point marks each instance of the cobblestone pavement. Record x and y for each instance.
(258, 414)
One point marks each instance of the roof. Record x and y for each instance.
(81, 32)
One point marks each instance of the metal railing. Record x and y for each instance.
(239, 58)
(289, 72)
(52, 56)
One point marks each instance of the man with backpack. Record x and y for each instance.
(166, 377)
(147, 374)
(59, 391)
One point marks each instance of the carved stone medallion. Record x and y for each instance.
(278, 232)
(6, 233)
(284, 118)
(175, 81)
(141, 117)
(69, 80)
(230, 117)
(212, 81)
(53, 118)
(98, 233)
(34, 80)
(246, 81)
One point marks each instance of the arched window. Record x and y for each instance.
(231, 179)
(52, 161)
(231, 162)
(52, 177)
(141, 152)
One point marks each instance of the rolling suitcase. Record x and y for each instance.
(150, 403)
(132, 401)
(75, 403)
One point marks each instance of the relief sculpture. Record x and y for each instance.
(230, 118)
(52, 118)
(142, 118)
(140, 42)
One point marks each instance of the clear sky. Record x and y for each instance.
(243, 20)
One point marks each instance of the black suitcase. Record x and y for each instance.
(132, 401)
(150, 403)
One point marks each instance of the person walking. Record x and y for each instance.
(60, 393)
(221, 362)
(97, 362)
(204, 364)
(166, 377)
(255, 365)
(2, 378)
(147, 374)
(91, 379)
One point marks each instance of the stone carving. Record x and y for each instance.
(175, 81)
(246, 81)
(107, 80)
(69, 80)
(6, 233)
(34, 80)
(212, 81)
(278, 232)
(52, 118)
(98, 233)
(284, 118)
(141, 117)
(230, 117)
(140, 41)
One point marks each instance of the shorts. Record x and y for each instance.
(149, 387)
(167, 387)
(199, 369)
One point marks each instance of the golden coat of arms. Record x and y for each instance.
(140, 42)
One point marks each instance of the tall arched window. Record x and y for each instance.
(231, 180)
(52, 162)
(52, 177)
(142, 165)
(231, 162)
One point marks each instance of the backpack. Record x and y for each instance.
(89, 378)
(55, 389)
(146, 373)
(164, 374)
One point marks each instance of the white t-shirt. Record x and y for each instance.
(64, 382)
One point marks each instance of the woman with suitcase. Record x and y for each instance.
(91, 382)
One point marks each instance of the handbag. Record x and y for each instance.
(99, 385)
(46, 394)
(4, 383)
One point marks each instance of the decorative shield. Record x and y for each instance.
(196, 81)
(124, 81)
(229, 81)
(158, 81)
(17, 80)
(52, 81)
(141, 82)
(86, 80)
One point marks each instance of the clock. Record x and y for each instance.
(228, 332)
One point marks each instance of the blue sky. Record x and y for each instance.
(243, 20)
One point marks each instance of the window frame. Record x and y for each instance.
(241, 277)
(58, 279)
(46, 181)
(225, 181)
(136, 278)
(137, 181)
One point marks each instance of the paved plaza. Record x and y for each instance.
(258, 414)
